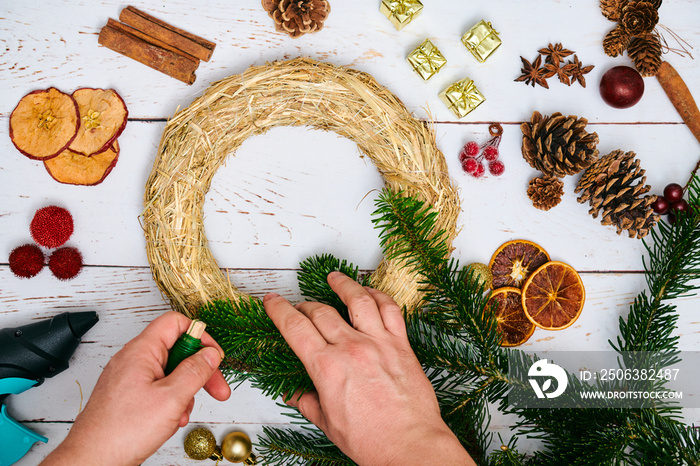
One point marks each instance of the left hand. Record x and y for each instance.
(134, 407)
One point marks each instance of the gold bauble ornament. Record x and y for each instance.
(237, 447)
(482, 273)
(200, 444)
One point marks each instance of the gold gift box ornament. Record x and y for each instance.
(400, 12)
(481, 40)
(426, 59)
(462, 97)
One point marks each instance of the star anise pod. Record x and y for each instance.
(533, 73)
(555, 54)
(562, 72)
(578, 70)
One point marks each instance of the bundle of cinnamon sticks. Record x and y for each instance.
(156, 43)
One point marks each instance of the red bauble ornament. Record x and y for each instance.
(51, 226)
(673, 192)
(26, 261)
(621, 87)
(65, 263)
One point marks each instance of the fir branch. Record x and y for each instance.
(673, 261)
(255, 350)
(314, 285)
(290, 447)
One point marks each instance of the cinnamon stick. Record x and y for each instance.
(151, 52)
(680, 96)
(181, 40)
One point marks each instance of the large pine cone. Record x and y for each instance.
(297, 17)
(645, 52)
(639, 17)
(615, 42)
(558, 145)
(613, 185)
(545, 192)
(612, 9)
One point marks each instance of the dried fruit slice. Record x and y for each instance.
(514, 261)
(513, 324)
(553, 296)
(44, 123)
(73, 168)
(103, 116)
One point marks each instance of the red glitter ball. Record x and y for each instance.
(51, 226)
(491, 153)
(497, 168)
(469, 165)
(479, 171)
(26, 261)
(471, 149)
(66, 263)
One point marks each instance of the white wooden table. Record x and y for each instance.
(295, 192)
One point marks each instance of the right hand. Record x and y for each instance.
(372, 398)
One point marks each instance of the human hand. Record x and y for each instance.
(134, 408)
(372, 398)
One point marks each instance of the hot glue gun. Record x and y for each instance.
(28, 355)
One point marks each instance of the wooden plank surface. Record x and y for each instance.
(294, 192)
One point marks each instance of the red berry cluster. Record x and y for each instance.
(51, 227)
(473, 155)
(671, 202)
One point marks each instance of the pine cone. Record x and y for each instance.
(615, 42)
(558, 145)
(545, 192)
(609, 185)
(297, 17)
(645, 52)
(639, 17)
(611, 9)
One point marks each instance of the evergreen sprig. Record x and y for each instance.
(454, 336)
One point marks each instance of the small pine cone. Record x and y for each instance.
(558, 145)
(615, 42)
(639, 17)
(613, 185)
(545, 192)
(645, 52)
(611, 9)
(655, 3)
(297, 17)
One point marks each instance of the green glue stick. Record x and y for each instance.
(189, 343)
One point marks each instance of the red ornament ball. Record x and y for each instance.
(673, 192)
(661, 205)
(26, 261)
(65, 263)
(496, 168)
(51, 226)
(621, 87)
(491, 153)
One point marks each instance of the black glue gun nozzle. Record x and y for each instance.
(81, 322)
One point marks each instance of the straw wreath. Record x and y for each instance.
(301, 91)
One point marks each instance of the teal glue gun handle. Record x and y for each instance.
(15, 439)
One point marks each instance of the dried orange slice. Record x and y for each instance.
(103, 117)
(44, 123)
(512, 322)
(553, 296)
(514, 261)
(73, 168)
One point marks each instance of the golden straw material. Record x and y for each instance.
(301, 91)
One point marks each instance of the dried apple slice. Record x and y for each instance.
(103, 117)
(44, 123)
(73, 168)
